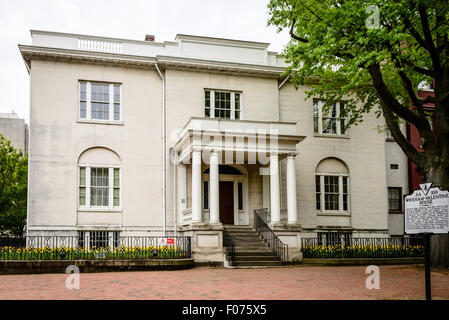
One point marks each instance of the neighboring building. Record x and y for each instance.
(397, 183)
(402, 174)
(15, 129)
(414, 137)
(145, 138)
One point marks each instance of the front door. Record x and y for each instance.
(226, 202)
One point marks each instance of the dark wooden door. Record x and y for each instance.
(226, 202)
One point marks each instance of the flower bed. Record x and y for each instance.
(363, 251)
(119, 253)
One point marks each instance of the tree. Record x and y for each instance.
(377, 52)
(13, 189)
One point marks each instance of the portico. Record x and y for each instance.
(214, 158)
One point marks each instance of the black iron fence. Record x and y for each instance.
(270, 238)
(352, 247)
(88, 247)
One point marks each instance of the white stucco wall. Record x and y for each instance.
(363, 153)
(58, 139)
(185, 99)
(397, 178)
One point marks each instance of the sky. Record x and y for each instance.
(128, 19)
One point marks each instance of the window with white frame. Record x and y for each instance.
(99, 101)
(222, 104)
(99, 187)
(332, 186)
(98, 239)
(327, 120)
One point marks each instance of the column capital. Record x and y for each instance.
(215, 150)
(196, 149)
(292, 155)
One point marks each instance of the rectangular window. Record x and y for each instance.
(331, 193)
(99, 187)
(116, 187)
(395, 199)
(345, 193)
(334, 238)
(82, 190)
(328, 120)
(240, 195)
(222, 104)
(98, 239)
(100, 101)
(206, 195)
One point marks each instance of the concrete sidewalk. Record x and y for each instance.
(298, 282)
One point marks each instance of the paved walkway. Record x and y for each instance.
(299, 282)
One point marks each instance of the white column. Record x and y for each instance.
(214, 188)
(274, 190)
(182, 191)
(291, 190)
(197, 216)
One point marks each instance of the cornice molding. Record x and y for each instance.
(165, 62)
(64, 55)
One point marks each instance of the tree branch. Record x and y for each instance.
(398, 136)
(388, 101)
(294, 36)
(428, 37)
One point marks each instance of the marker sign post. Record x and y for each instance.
(427, 213)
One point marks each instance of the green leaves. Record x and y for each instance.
(334, 42)
(13, 189)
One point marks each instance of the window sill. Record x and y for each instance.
(395, 212)
(117, 123)
(337, 136)
(333, 213)
(118, 210)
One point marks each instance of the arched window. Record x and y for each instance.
(332, 186)
(99, 179)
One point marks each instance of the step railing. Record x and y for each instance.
(232, 253)
(271, 239)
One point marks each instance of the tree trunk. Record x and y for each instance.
(438, 174)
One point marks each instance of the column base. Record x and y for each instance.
(276, 224)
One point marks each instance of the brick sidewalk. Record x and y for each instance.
(301, 282)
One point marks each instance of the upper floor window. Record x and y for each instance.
(100, 101)
(222, 104)
(327, 120)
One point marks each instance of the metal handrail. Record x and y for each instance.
(226, 232)
(274, 243)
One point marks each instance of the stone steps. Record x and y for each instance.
(250, 250)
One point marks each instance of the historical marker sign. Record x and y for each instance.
(427, 210)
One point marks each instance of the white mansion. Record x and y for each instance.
(189, 136)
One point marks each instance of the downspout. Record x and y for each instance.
(279, 95)
(164, 155)
(175, 190)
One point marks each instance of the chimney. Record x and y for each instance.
(149, 37)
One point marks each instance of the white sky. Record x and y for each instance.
(129, 19)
